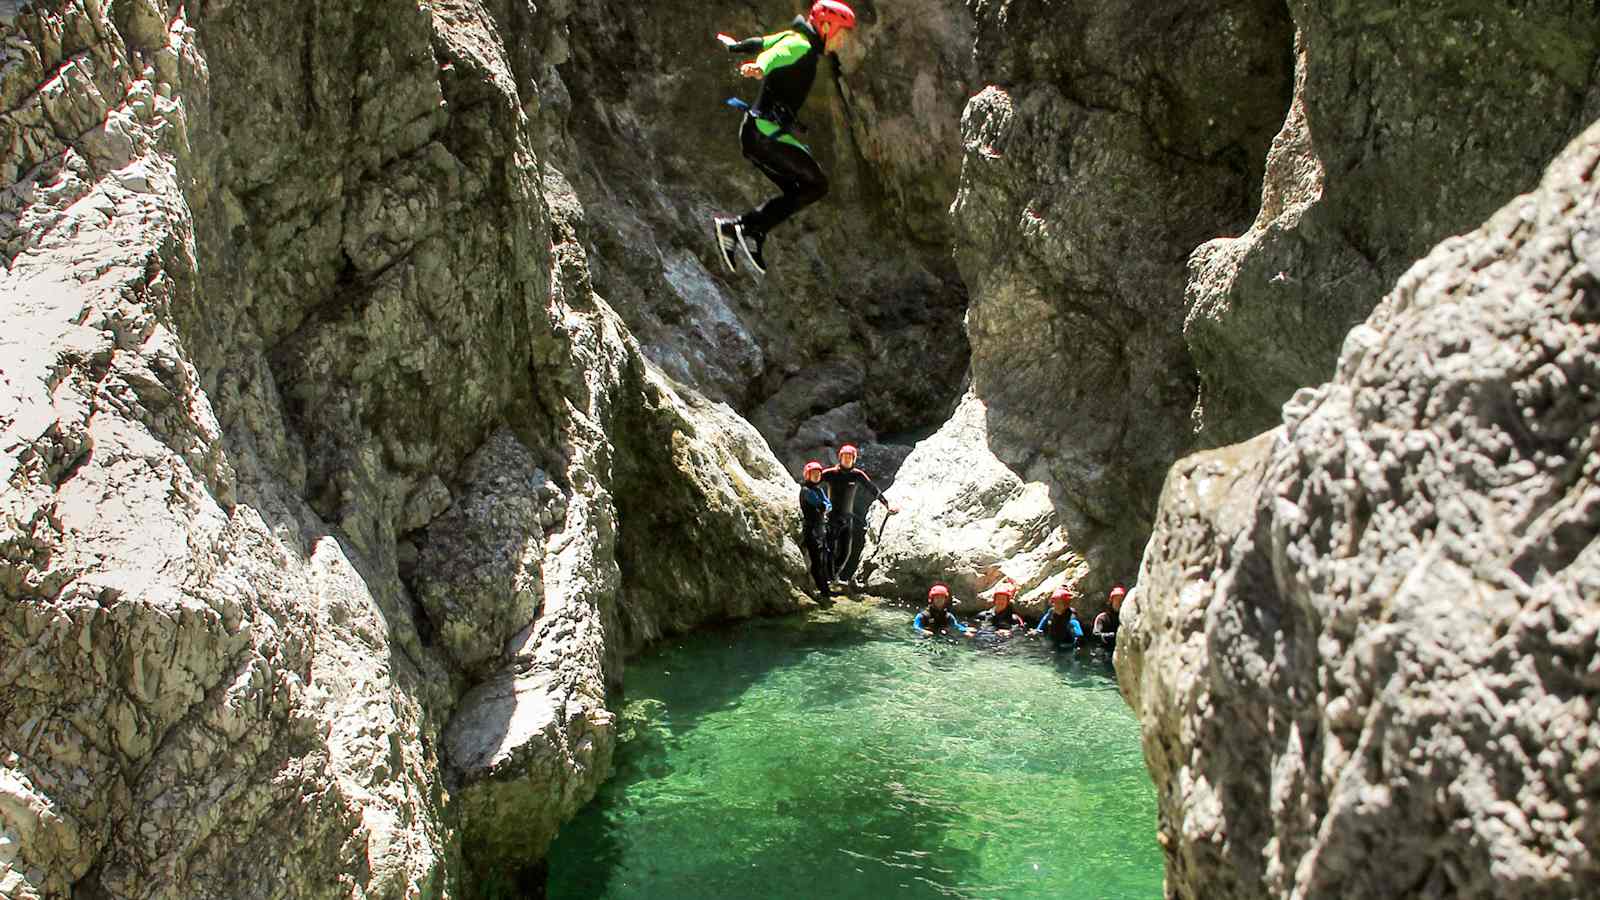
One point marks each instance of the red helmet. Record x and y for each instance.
(1062, 593)
(938, 590)
(850, 449)
(1006, 589)
(1119, 591)
(828, 16)
(812, 466)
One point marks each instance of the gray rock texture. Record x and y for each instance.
(1108, 142)
(296, 316)
(969, 521)
(860, 317)
(1409, 124)
(1363, 649)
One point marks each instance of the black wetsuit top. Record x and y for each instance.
(1060, 627)
(842, 484)
(934, 620)
(1113, 621)
(784, 90)
(1007, 619)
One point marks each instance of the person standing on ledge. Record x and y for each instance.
(846, 526)
(814, 510)
(787, 65)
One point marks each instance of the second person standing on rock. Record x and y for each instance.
(847, 524)
(787, 65)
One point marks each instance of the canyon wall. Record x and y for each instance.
(371, 389)
(1363, 648)
(1169, 217)
(325, 465)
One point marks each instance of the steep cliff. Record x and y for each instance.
(1107, 142)
(1410, 123)
(1363, 646)
(322, 456)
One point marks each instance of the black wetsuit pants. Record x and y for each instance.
(849, 535)
(817, 552)
(790, 168)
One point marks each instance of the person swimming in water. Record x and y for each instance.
(937, 619)
(1002, 617)
(1060, 621)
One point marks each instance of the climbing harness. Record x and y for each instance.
(779, 115)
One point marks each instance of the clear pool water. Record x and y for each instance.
(838, 756)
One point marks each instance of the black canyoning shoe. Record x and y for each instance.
(727, 233)
(750, 242)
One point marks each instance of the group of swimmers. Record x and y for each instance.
(1059, 623)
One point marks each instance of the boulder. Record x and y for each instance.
(1375, 627)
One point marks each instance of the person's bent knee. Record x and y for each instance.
(814, 189)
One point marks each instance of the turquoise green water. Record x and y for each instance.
(841, 757)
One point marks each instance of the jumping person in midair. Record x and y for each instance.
(787, 65)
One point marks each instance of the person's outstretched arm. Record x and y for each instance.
(916, 625)
(1043, 621)
(877, 492)
(748, 45)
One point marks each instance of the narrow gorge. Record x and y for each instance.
(371, 393)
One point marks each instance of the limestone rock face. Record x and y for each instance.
(294, 320)
(1108, 142)
(1409, 124)
(478, 576)
(968, 520)
(1376, 626)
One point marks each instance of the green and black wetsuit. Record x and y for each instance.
(788, 61)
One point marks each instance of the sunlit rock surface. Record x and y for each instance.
(1409, 124)
(291, 314)
(1364, 645)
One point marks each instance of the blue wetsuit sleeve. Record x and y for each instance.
(916, 624)
(1043, 621)
(1077, 630)
(956, 623)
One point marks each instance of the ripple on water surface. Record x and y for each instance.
(838, 756)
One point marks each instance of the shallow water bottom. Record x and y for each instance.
(837, 755)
